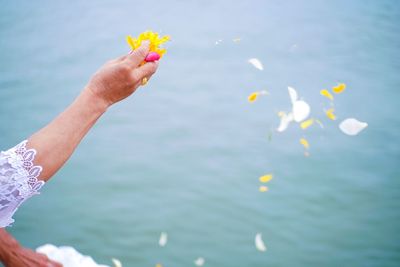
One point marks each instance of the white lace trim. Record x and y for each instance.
(18, 180)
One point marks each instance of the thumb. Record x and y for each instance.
(137, 56)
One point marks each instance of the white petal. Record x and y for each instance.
(285, 121)
(116, 262)
(256, 63)
(292, 94)
(68, 256)
(352, 126)
(293, 48)
(260, 243)
(199, 261)
(163, 239)
(301, 110)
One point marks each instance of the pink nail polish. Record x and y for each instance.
(152, 56)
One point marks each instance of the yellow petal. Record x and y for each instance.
(305, 143)
(330, 115)
(158, 265)
(306, 124)
(154, 39)
(130, 42)
(339, 88)
(326, 93)
(252, 97)
(265, 178)
(263, 188)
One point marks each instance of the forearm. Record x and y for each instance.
(56, 142)
(115, 81)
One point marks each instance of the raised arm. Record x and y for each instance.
(116, 80)
(25, 167)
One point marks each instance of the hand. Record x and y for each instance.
(23, 257)
(120, 77)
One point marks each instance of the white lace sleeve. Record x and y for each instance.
(18, 180)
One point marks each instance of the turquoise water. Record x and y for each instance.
(184, 154)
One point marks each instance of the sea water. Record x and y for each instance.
(183, 155)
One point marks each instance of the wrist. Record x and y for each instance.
(91, 99)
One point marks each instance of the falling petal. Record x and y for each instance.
(236, 40)
(352, 126)
(252, 97)
(326, 93)
(259, 242)
(163, 239)
(263, 188)
(256, 63)
(269, 136)
(218, 42)
(159, 265)
(330, 115)
(116, 262)
(293, 48)
(199, 261)
(285, 121)
(301, 110)
(305, 143)
(292, 94)
(266, 178)
(305, 124)
(281, 114)
(339, 88)
(320, 124)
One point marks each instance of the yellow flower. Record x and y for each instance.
(155, 41)
(263, 188)
(306, 124)
(305, 143)
(330, 115)
(252, 97)
(326, 93)
(339, 88)
(265, 178)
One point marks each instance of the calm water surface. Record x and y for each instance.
(185, 153)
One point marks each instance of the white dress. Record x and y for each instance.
(18, 180)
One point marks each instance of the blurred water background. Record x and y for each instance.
(184, 154)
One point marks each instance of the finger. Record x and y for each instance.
(121, 58)
(137, 56)
(145, 71)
